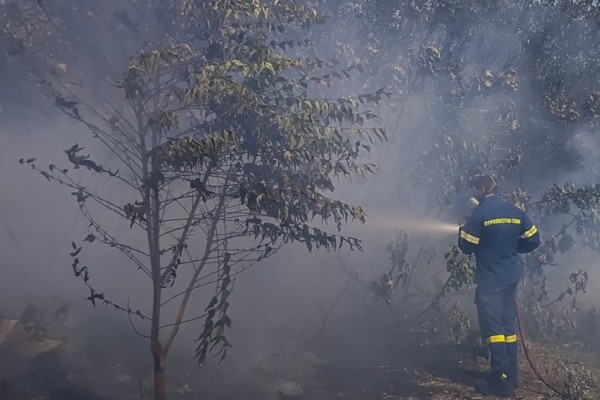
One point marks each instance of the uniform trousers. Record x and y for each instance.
(496, 308)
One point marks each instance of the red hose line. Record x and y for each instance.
(529, 358)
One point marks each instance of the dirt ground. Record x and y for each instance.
(401, 370)
(443, 372)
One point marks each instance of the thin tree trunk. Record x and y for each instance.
(207, 251)
(158, 355)
(153, 232)
(156, 349)
(160, 382)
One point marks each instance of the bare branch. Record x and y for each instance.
(133, 325)
(207, 251)
(184, 321)
(184, 234)
(110, 240)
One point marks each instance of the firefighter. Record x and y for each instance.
(496, 232)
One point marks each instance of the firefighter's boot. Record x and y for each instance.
(499, 386)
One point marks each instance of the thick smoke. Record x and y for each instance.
(295, 308)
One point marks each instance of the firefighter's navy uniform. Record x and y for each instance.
(495, 233)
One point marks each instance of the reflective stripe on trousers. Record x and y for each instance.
(497, 322)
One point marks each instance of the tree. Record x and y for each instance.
(499, 90)
(230, 97)
(226, 155)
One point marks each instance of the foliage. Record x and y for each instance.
(488, 103)
(226, 152)
(511, 107)
(459, 324)
(579, 382)
(398, 274)
(232, 119)
(461, 269)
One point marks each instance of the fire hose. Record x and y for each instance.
(529, 358)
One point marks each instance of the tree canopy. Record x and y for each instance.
(228, 149)
(234, 122)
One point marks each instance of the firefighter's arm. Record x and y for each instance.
(530, 237)
(468, 235)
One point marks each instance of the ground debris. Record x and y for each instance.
(26, 337)
(30, 361)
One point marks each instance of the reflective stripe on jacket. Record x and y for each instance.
(495, 233)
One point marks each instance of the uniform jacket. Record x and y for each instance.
(496, 232)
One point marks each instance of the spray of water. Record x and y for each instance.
(408, 223)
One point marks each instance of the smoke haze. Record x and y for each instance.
(296, 308)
